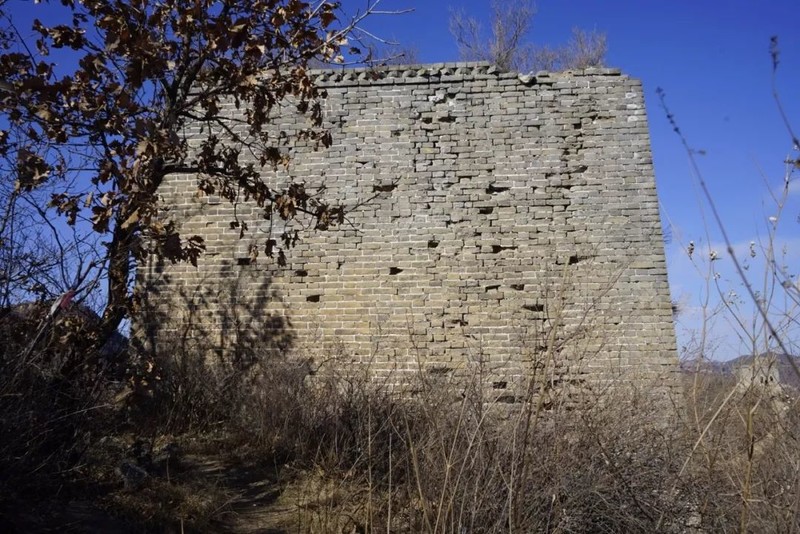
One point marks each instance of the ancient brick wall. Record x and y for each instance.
(515, 228)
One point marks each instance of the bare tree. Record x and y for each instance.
(38, 256)
(93, 138)
(506, 45)
(394, 54)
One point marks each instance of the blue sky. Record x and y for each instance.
(712, 60)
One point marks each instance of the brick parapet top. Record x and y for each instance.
(424, 73)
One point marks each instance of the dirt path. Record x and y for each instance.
(255, 495)
(204, 494)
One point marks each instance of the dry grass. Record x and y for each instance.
(271, 449)
(354, 455)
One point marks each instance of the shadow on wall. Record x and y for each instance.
(216, 336)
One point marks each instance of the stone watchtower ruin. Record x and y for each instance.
(515, 228)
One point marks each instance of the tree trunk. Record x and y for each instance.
(119, 272)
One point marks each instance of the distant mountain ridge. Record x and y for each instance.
(787, 374)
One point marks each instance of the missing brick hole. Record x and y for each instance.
(446, 118)
(496, 249)
(301, 272)
(395, 270)
(492, 189)
(492, 288)
(485, 211)
(534, 307)
(433, 243)
(517, 287)
(387, 188)
(244, 261)
(443, 370)
(502, 384)
(313, 298)
(507, 399)
(575, 259)
(459, 322)
(427, 120)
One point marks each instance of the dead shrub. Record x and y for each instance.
(55, 394)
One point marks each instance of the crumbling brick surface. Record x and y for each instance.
(515, 227)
